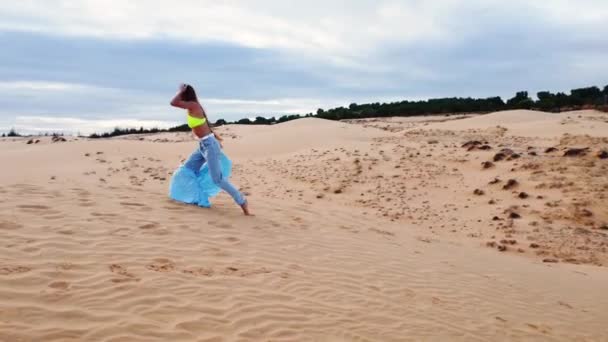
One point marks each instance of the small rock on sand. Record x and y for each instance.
(471, 144)
(514, 215)
(511, 183)
(499, 156)
(479, 192)
(514, 156)
(575, 152)
(487, 164)
(550, 150)
(585, 213)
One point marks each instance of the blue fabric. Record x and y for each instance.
(197, 187)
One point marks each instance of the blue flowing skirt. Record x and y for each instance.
(188, 187)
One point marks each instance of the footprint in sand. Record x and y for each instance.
(8, 270)
(543, 329)
(201, 271)
(149, 226)
(33, 207)
(4, 225)
(103, 215)
(59, 285)
(85, 202)
(161, 265)
(65, 266)
(176, 207)
(236, 271)
(233, 239)
(132, 204)
(122, 271)
(220, 225)
(382, 232)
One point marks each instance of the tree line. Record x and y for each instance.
(13, 133)
(589, 97)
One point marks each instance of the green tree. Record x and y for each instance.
(561, 100)
(520, 101)
(586, 96)
(12, 133)
(546, 101)
(286, 118)
(260, 120)
(544, 95)
(245, 121)
(585, 93)
(220, 122)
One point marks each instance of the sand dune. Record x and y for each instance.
(297, 135)
(362, 233)
(530, 123)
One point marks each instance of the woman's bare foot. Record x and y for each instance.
(245, 207)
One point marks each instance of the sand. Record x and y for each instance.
(371, 230)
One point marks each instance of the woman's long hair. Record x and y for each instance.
(189, 94)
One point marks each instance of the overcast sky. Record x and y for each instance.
(91, 65)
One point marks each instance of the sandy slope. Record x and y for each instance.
(360, 234)
(529, 123)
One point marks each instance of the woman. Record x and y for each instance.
(209, 147)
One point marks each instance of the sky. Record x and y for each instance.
(87, 66)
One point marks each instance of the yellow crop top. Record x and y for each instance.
(194, 122)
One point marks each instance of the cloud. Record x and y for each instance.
(338, 32)
(20, 86)
(346, 34)
(109, 59)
